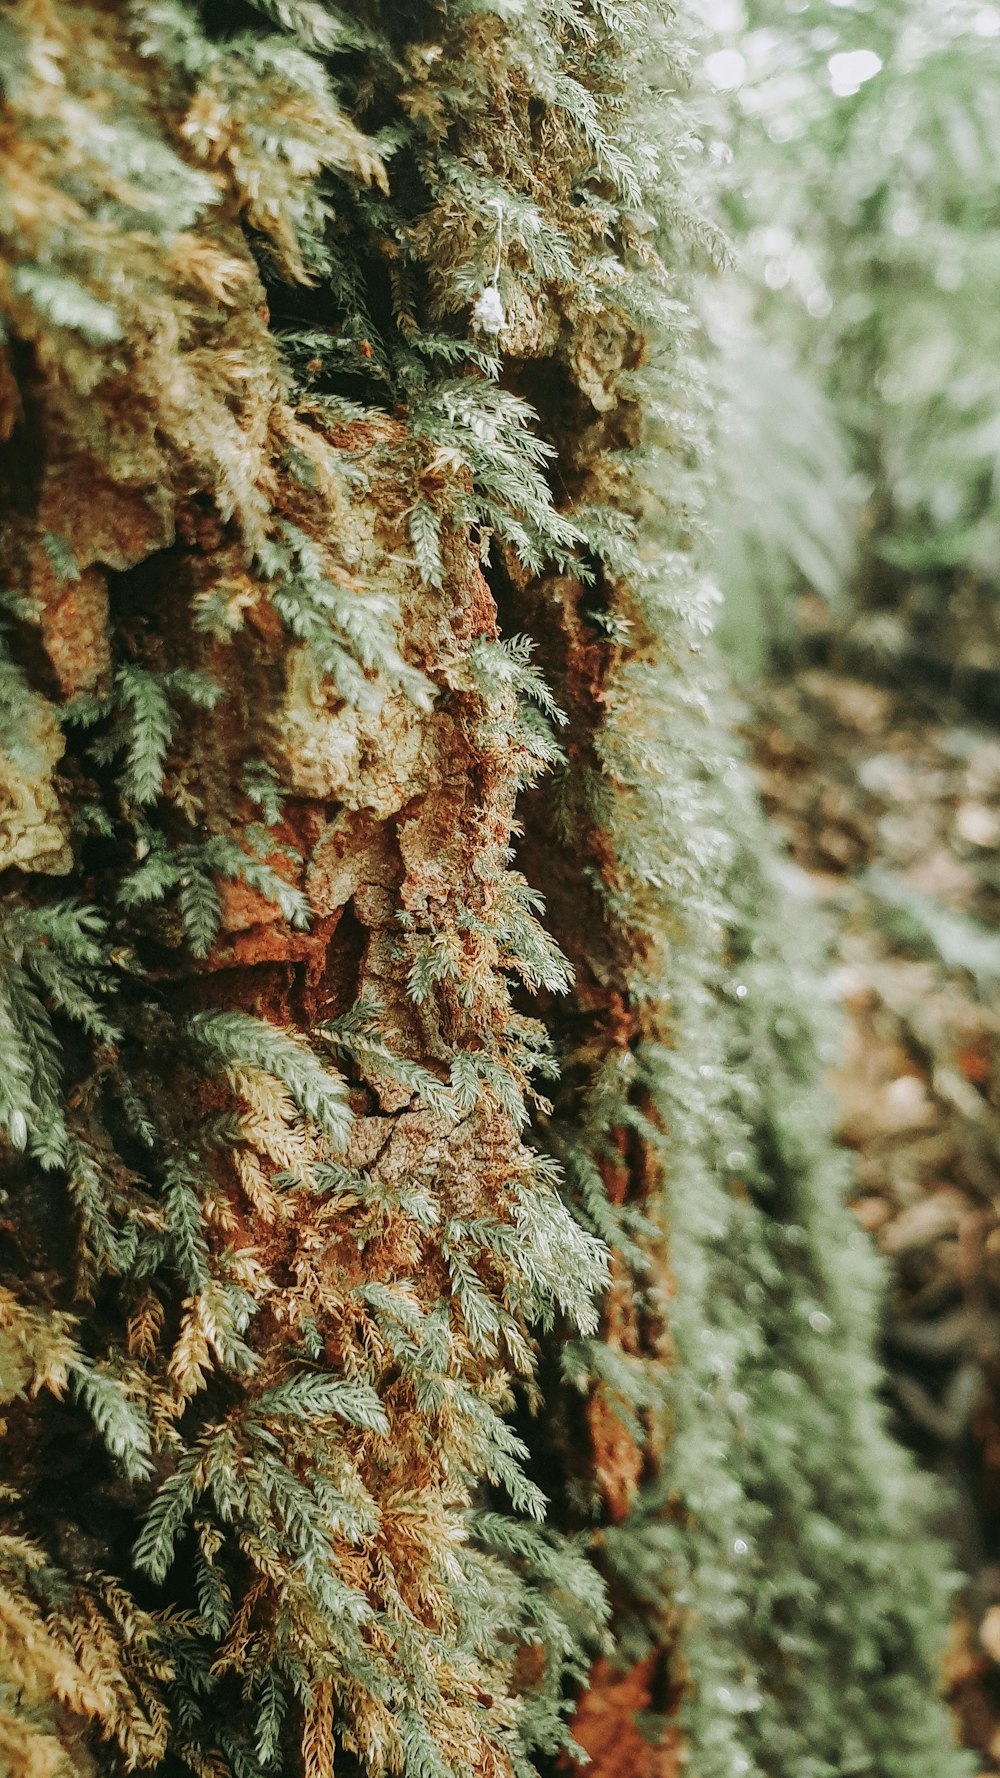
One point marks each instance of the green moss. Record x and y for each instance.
(280, 1253)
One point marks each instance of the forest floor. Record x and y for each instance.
(890, 802)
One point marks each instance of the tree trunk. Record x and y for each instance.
(332, 344)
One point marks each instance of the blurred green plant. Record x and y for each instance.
(784, 506)
(863, 366)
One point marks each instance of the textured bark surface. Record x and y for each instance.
(137, 492)
(606, 1724)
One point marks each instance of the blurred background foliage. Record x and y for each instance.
(856, 519)
(858, 341)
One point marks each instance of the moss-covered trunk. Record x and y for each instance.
(343, 351)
